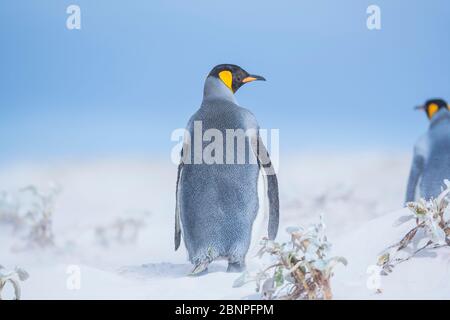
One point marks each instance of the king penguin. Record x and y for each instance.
(431, 159)
(217, 203)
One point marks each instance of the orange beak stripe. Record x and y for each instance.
(248, 79)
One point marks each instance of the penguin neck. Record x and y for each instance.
(216, 89)
(441, 118)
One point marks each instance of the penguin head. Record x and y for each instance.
(432, 106)
(233, 76)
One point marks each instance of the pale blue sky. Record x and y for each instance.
(135, 72)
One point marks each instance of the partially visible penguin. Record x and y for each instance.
(217, 203)
(431, 160)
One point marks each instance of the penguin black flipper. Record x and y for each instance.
(274, 206)
(417, 169)
(414, 176)
(265, 164)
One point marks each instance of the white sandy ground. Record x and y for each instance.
(361, 196)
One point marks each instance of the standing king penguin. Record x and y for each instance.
(431, 160)
(217, 203)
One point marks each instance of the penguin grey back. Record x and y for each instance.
(431, 160)
(437, 160)
(219, 202)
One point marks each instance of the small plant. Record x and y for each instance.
(301, 268)
(31, 211)
(121, 231)
(9, 211)
(40, 217)
(432, 230)
(13, 278)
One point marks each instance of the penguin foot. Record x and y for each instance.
(199, 270)
(236, 267)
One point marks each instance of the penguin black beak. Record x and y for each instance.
(419, 108)
(252, 78)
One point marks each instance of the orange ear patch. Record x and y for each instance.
(227, 78)
(432, 109)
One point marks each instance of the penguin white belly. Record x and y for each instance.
(262, 218)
